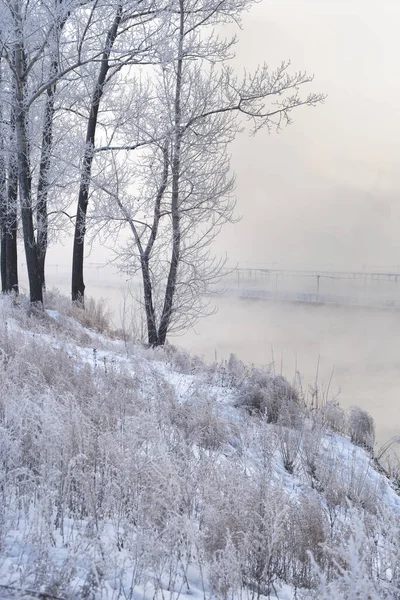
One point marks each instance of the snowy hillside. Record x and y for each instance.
(131, 473)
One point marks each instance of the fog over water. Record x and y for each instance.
(360, 346)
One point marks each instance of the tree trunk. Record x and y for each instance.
(3, 262)
(25, 183)
(3, 204)
(12, 216)
(43, 181)
(45, 160)
(3, 257)
(170, 290)
(24, 176)
(78, 285)
(173, 271)
(12, 256)
(152, 334)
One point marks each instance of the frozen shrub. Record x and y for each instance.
(362, 487)
(289, 443)
(361, 428)
(54, 300)
(235, 370)
(263, 549)
(310, 452)
(306, 530)
(200, 423)
(96, 315)
(272, 396)
(391, 461)
(244, 531)
(225, 572)
(331, 484)
(347, 477)
(264, 442)
(333, 416)
(360, 568)
(226, 513)
(179, 358)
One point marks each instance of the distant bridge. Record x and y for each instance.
(313, 298)
(374, 289)
(254, 274)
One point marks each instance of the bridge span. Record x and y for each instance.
(379, 289)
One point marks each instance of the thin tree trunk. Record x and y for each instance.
(3, 195)
(12, 227)
(3, 262)
(170, 290)
(43, 181)
(174, 264)
(42, 220)
(11, 214)
(78, 285)
(152, 332)
(25, 182)
(24, 176)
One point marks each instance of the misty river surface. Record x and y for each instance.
(360, 346)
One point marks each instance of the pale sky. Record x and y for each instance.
(326, 190)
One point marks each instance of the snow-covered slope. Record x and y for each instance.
(127, 472)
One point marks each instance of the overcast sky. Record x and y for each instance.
(327, 189)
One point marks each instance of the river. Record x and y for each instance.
(354, 351)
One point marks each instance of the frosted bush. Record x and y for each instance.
(54, 300)
(264, 441)
(361, 428)
(234, 372)
(306, 530)
(226, 514)
(264, 541)
(179, 358)
(264, 394)
(96, 314)
(310, 452)
(331, 484)
(225, 572)
(200, 422)
(365, 565)
(289, 443)
(363, 489)
(247, 531)
(333, 416)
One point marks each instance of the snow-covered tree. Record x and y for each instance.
(128, 41)
(176, 194)
(44, 45)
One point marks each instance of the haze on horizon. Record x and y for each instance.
(326, 189)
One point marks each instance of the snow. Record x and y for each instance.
(107, 555)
